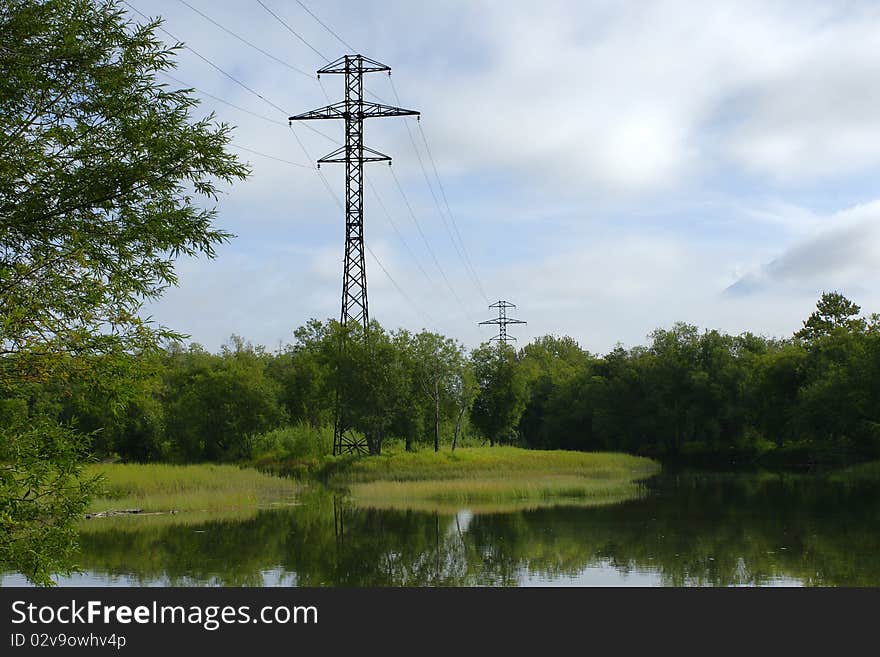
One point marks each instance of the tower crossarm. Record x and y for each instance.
(353, 154)
(354, 64)
(502, 321)
(360, 110)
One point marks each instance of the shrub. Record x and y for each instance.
(293, 441)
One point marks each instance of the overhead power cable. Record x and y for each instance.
(225, 102)
(341, 206)
(424, 315)
(293, 32)
(393, 223)
(412, 214)
(351, 49)
(245, 41)
(467, 258)
(228, 75)
(470, 273)
(271, 157)
(209, 62)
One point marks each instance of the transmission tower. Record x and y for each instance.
(502, 321)
(353, 110)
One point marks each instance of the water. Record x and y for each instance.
(702, 530)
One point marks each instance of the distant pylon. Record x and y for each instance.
(502, 321)
(354, 109)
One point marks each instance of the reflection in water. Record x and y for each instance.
(690, 530)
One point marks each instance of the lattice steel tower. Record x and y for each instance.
(502, 321)
(353, 110)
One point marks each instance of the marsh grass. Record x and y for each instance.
(494, 495)
(190, 488)
(491, 462)
(496, 478)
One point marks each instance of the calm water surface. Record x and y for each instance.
(702, 530)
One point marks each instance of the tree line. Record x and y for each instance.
(702, 397)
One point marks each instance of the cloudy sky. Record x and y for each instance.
(610, 167)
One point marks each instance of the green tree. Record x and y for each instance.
(438, 374)
(548, 363)
(833, 311)
(501, 399)
(216, 404)
(102, 174)
(302, 381)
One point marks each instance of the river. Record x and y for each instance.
(686, 529)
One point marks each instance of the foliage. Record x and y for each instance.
(492, 462)
(42, 495)
(833, 311)
(220, 402)
(710, 398)
(163, 488)
(697, 396)
(102, 174)
(297, 441)
(501, 398)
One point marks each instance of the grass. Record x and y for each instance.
(492, 478)
(493, 495)
(481, 462)
(479, 478)
(186, 488)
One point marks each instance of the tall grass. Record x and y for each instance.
(296, 441)
(488, 462)
(494, 495)
(491, 479)
(160, 487)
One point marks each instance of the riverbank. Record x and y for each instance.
(488, 478)
(164, 488)
(491, 478)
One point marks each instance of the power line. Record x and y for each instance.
(502, 321)
(271, 157)
(294, 32)
(341, 206)
(451, 216)
(220, 100)
(412, 214)
(208, 61)
(244, 109)
(273, 105)
(436, 200)
(326, 27)
(245, 41)
(228, 75)
(399, 289)
(397, 230)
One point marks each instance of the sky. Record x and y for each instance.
(609, 167)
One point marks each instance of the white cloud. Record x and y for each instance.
(671, 141)
(845, 252)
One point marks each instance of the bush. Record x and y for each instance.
(294, 441)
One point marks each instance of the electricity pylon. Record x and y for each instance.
(353, 110)
(502, 321)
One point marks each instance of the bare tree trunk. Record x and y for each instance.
(436, 415)
(457, 427)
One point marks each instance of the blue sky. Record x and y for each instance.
(611, 167)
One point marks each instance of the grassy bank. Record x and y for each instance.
(491, 462)
(480, 478)
(189, 488)
(490, 478)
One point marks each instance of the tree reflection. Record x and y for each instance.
(692, 530)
